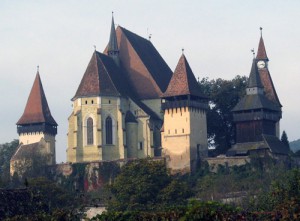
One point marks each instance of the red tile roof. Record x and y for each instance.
(37, 109)
(97, 79)
(265, 74)
(183, 81)
(269, 88)
(145, 69)
(261, 52)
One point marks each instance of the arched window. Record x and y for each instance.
(89, 130)
(108, 130)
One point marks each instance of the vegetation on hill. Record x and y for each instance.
(146, 185)
(7, 150)
(38, 199)
(262, 190)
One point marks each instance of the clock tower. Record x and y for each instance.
(262, 61)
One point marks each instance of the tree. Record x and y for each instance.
(223, 96)
(145, 185)
(284, 139)
(7, 150)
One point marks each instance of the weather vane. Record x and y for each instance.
(252, 50)
(38, 68)
(260, 31)
(182, 50)
(95, 47)
(150, 35)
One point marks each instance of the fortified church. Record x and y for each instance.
(130, 105)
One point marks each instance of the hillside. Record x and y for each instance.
(295, 145)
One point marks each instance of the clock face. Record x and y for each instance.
(261, 64)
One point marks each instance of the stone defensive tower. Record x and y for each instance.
(184, 133)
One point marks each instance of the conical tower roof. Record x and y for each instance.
(254, 78)
(37, 109)
(261, 52)
(183, 81)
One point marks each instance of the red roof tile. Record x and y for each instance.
(269, 88)
(97, 78)
(265, 74)
(183, 81)
(145, 69)
(261, 52)
(37, 109)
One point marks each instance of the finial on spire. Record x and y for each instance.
(260, 31)
(253, 52)
(198, 79)
(182, 50)
(95, 47)
(150, 35)
(38, 68)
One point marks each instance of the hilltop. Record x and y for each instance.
(295, 145)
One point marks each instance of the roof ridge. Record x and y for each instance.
(104, 66)
(159, 87)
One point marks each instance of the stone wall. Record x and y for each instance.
(86, 176)
(226, 161)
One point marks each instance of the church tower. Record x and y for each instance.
(255, 114)
(264, 73)
(184, 133)
(37, 123)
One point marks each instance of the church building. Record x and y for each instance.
(118, 111)
(130, 105)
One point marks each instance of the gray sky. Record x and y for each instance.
(217, 37)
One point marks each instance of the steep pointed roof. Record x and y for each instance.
(254, 78)
(98, 77)
(265, 76)
(37, 109)
(269, 87)
(183, 81)
(146, 71)
(261, 52)
(255, 101)
(112, 44)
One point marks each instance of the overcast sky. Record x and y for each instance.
(217, 37)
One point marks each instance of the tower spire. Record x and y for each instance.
(113, 44)
(261, 52)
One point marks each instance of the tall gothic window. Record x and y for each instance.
(89, 130)
(108, 129)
